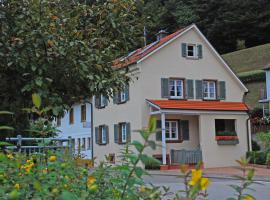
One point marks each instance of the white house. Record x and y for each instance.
(76, 124)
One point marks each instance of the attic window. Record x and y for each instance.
(191, 50)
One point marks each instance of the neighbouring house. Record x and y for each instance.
(265, 101)
(195, 96)
(76, 124)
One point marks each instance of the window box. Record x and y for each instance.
(227, 142)
(226, 137)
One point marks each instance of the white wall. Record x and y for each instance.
(76, 130)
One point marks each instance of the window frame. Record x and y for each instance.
(83, 113)
(170, 138)
(175, 80)
(208, 97)
(123, 127)
(234, 125)
(71, 116)
(103, 135)
(122, 96)
(102, 100)
(195, 52)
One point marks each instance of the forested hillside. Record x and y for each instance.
(229, 25)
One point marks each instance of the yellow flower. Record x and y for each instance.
(142, 189)
(248, 197)
(90, 181)
(17, 186)
(204, 183)
(50, 43)
(52, 158)
(195, 176)
(10, 156)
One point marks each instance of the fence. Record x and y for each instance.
(57, 144)
(259, 128)
(186, 156)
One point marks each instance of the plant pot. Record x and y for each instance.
(164, 167)
(227, 142)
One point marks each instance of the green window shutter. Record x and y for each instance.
(199, 89)
(107, 134)
(159, 132)
(199, 50)
(116, 133)
(164, 87)
(184, 50)
(97, 101)
(185, 129)
(222, 90)
(97, 135)
(127, 92)
(190, 89)
(128, 132)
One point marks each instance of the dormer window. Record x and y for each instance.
(191, 51)
(176, 88)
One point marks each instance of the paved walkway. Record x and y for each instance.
(221, 172)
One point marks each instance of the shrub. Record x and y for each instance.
(255, 146)
(257, 157)
(251, 76)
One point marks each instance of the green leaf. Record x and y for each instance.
(6, 128)
(139, 171)
(152, 144)
(6, 113)
(36, 99)
(67, 196)
(152, 124)
(137, 145)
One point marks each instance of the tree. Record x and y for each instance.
(62, 50)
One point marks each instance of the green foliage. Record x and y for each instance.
(267, 159)
(62, 50)
(264, 139)
(255, 146)
(252, 76)
(256, 157)
(246, 181)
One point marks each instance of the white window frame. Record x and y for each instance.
(102, 100)
(207, 94)
(122, 96)
(170, 130)
(124, 132)
(175, 88)
(195, 53)
(103, 135)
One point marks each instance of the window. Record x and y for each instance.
(123, 132)
(102, 101)
(122, 96)
(83, 144)
(71, 116)
(83, 113)
(209, 89)
(103, 135)
(225, 127)
(191, 51)
(176, 88)
(58, 121)
(79, 144)
(88, 143)
(171, 130)
(73, 144)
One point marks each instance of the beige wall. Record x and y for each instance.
(146, 84)
(215, 155)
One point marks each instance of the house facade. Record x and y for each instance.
(197, 99)
(76, 124)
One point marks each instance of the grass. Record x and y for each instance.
(253, 96)
(250, 59)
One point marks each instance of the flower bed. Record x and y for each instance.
(227, 138)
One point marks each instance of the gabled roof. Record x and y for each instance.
(140, 53)
(143, 53)
(199, 105)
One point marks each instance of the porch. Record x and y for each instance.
(189, 132)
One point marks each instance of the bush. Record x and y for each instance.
(252, 76)
(257, 157)
(255, 146)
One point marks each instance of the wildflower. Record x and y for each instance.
(10, 156)
(248, 197)
(52, 158)
(50, 43)
(142, 189)
(90, 181)
(195, 176)
(204, 183)
(17, 186)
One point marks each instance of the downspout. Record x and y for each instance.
(92, 136)
(247, 126)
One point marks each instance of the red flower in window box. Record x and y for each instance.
(227, 137)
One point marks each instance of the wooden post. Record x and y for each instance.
(19, 143)
(163, 128)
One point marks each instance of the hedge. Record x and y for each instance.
(252, 76)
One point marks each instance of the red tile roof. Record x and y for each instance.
(138, 54)
(200, 105)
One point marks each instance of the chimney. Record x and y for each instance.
(161, 34)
